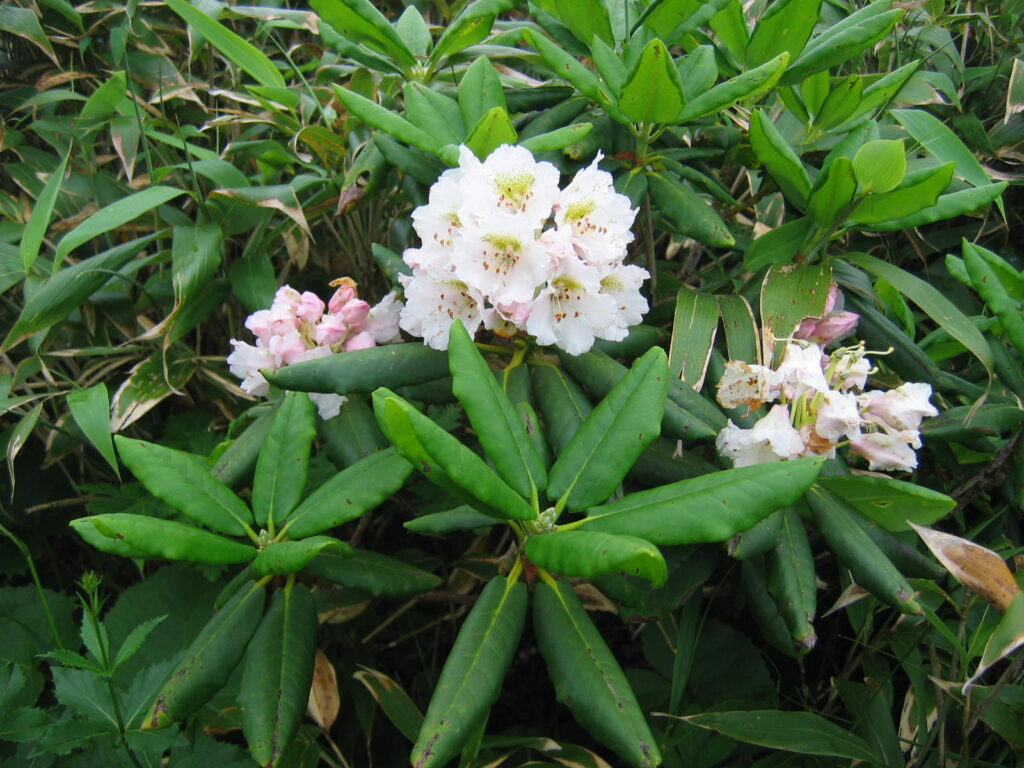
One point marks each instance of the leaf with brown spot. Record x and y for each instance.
(979, 569)
(324, 701)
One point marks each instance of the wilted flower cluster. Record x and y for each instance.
(821, 405)
(300, 327)
(504, 247)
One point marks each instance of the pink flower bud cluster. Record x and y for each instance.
(300, 327)
(832, 325)
(504, 247)
(821, 404)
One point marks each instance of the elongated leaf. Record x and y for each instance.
(445, 461)
(195, 256)
(786, 26)
(748, 85)
(587, 678)
(891, 503)
(978, 568)
(471, 679)
(588, 554)
(283, 463)
(779, 246)
(24, 23)
(652, 92)
(434, 112)
(383, 119)
(65, 291)
(1006, 638)
(567, 67)
(112, 216)
(496, 422)
(468, 28)
(374, 573)
(693, 333)
(493, 129)
(946, 207)
(916, 194)
(778, 158)
(790, 293)
(791, 581)
(284, 557)
(988, 285)
(157, 539)
(185, 483)
(708, 508)
(42, 212)
(565, 406)
(361, 22)
(91, 411)
(234, 48)
(833, 194)
(560, 138)
(686, 213)
(802, 732)
(613, 436)
(209, 660)
(349, 494)
(277, 674)
(389, 365)
(480, 92)
(393, 700)
(463, 518)
(932, 302)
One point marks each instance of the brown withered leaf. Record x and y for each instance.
(979, 569)
(324, 700)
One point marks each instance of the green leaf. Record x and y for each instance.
(283, 463)
(558, 139)
(589, 554)
(445, 461)
(890, 502)
(746, 86)
(801, 732)
(135, 639)
(494, 129)
(462, 518)
(497, 424)
(843, 41)
(1006, 638)
(697, 70)
(471, 679)
(413, 30)
(988, 285)
(777, 246)
(789, 294)
(587, 678)
(480, 92)
(235, 49)
(349, 494)
(379, 575)
(393, 700)
(156, 539)
(434, 112)
(919, 191)
(947, 207)
(361, 22)
(740, 329)
(363, 370)
(567, 67)
(112, 216)
(932, 302)
(184, 482)
(195, 255)
(779, 159)
(840, 104)
(785, 27)
(652, 92)
(791, 581)
(586, 19)
(282, 558)
(564, 405)
(879, 165)
(277, 674)
(614, 435)
(209, 660)
(24, 23)
(90, 409)
(386, 120)
(833, 193)
(472, 25)
(693, 332)
(686, 213)
(42, 212)
(708, 508)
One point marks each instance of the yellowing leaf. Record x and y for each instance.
(324, 701)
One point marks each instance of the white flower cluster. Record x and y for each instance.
(820, 405)
(504, 247)
(300, 327)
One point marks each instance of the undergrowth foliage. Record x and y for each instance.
(570, 467)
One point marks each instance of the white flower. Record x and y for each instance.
(745, 384)
(884, 451)
(771, 439)
(622, 282)
(901, 408)
(508, 181)
(801, 371)
(246, 361)
(571, 311)
(382, 320)
(600, 218)
(850, 371)
(838, 416)
(437, 223)
(328, 405)
(501, 259)
(432, 302)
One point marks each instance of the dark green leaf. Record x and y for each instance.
(283, 463)
(588, 554)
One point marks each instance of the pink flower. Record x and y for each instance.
(289, 347)
(346, 291)
(331, 330)
(902, 408)
(354, 311)
(363, 340)
(832, 325)
(260, 324)
(884, 451)
(310, 308)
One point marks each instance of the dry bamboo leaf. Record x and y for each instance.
(979, 569)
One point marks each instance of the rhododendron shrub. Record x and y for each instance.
(503, 247)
